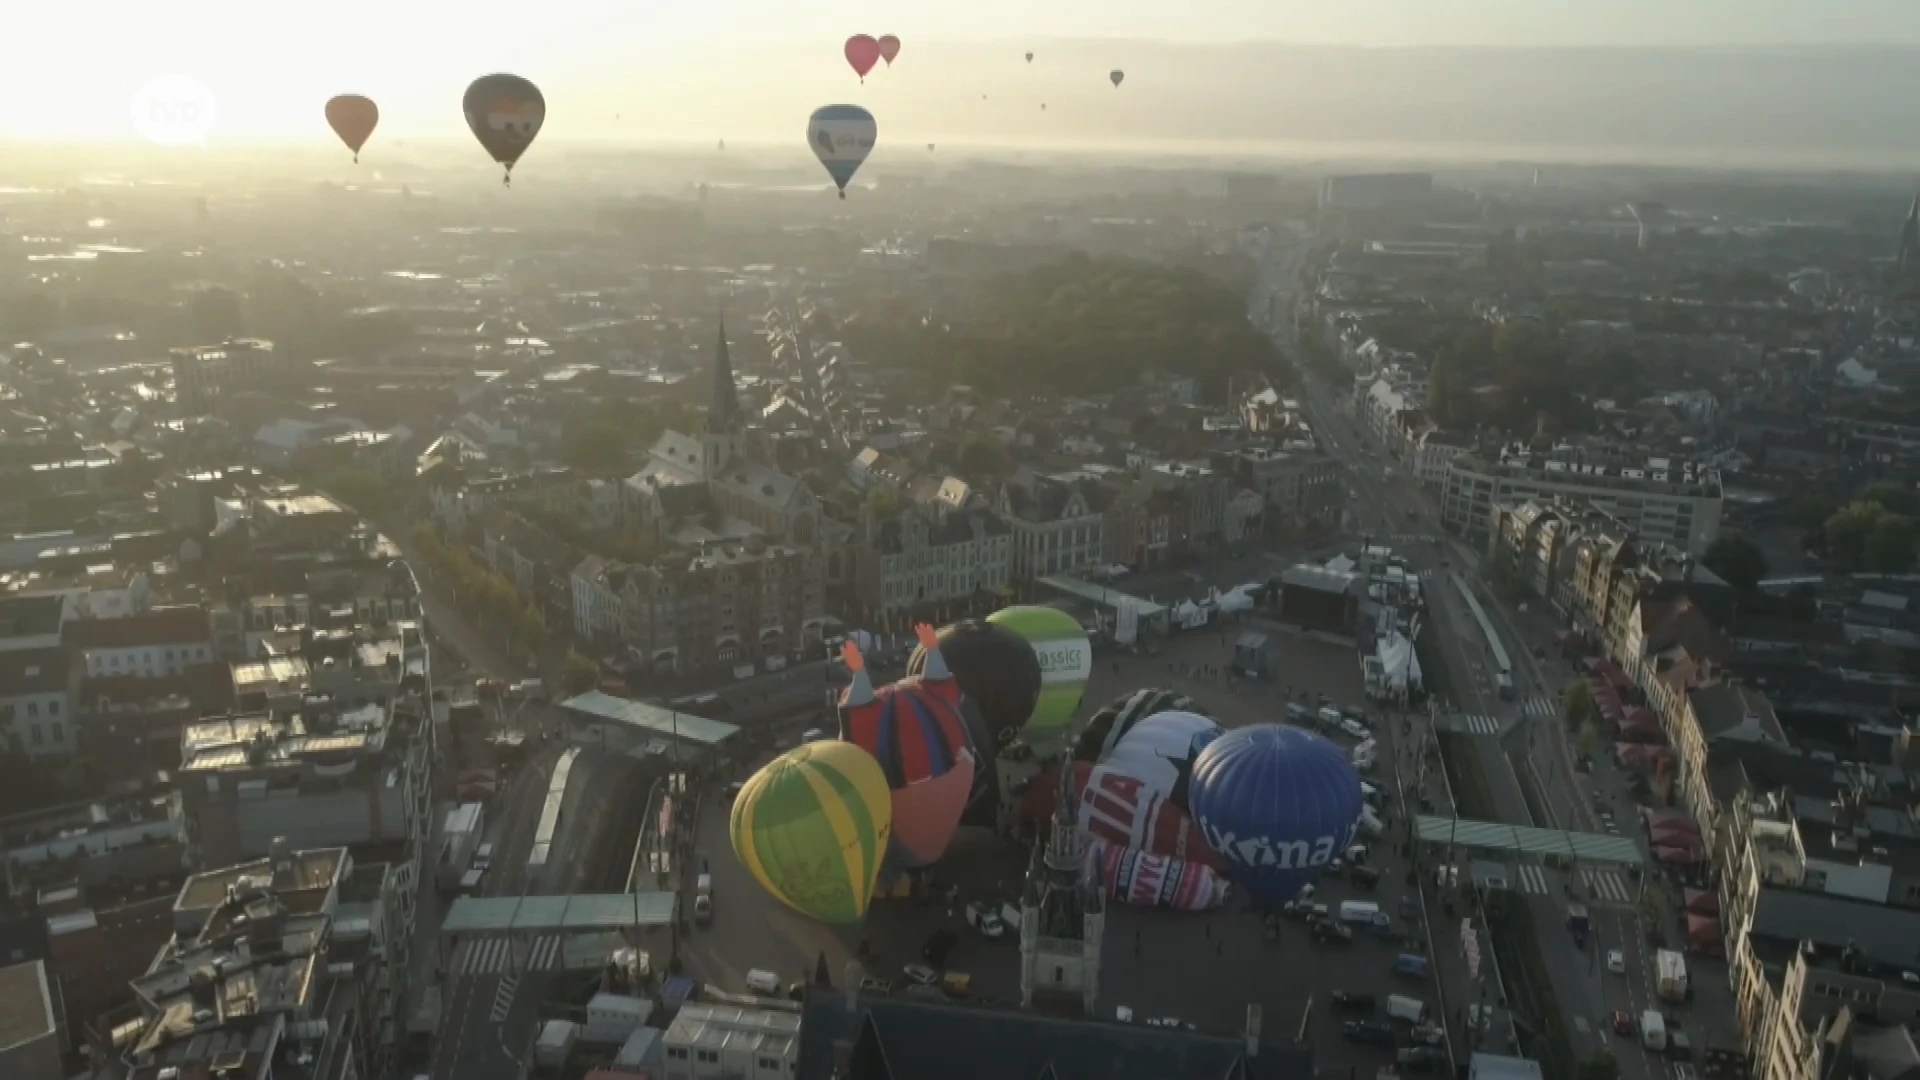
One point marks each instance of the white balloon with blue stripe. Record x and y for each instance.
(841, 136)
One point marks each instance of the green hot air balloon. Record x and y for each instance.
(1066, 661)
(812, 826)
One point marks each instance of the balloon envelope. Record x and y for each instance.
(889, 48)
(862, 53)
(1029, 58)
(1111, 724)
(913, 729)
(1116, 75)
(841, 136)
(910, 729)
(998, 673)
(1278, 803)
(812, 826)
(1060, 644)
(1144, 879)
(505, 113)
(353, 118)
(1160, 752)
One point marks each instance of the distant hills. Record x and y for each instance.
(1845, 106)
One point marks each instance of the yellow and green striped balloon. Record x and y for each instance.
(812, 827)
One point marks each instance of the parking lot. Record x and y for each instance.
(1201, 968)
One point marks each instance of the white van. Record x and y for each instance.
(1653, 1030)
(1412, 1010)
(763, 982)
(1364, 912)
(1370, 823)
(1330, 718)
(1298, 713)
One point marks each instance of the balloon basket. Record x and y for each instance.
(843, 195)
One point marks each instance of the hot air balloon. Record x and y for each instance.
(1043, 106)
(998, 674)
(862, 53)
(1066, 660)
(1029, 58)
(889, 48)
(353, 118)
(812, 826)
(1278, 803)
(1108, 726)
(1116, 75)
(841, 136)
(1144, 879)
(913, 729)
(929, 148)
(1161, 749)
(505, 113)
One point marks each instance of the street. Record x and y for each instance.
(1388, 502)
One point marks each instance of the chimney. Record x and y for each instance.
(1252, 1034)
(854, 974)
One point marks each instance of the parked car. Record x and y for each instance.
(1622, 1022)
(984, 918)
(1354, 1001)
(1370, 1032)
(1331, 932)
(920, 974)
(1616, 962)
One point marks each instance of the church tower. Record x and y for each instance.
(725, 436)
(1063, 917)
(1909, 257)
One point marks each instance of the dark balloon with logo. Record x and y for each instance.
(998, 672)
(505, 112)
(999, 677)
(1278, 803)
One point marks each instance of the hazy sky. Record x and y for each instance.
(74, 67)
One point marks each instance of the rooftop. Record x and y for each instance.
(30, 616)
(26, 1004)
(652, 718)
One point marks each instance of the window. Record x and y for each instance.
(677, 1053)
(53, 708)
(57, 734)
(33, 709)
(711, 1057)
(36, 734)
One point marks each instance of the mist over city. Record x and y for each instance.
(1043, 540)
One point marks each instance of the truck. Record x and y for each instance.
(1670, 975)
(703, 900)
(1400, 1007)
(1578, 924)
(1653, 1030)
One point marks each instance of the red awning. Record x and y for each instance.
(1702, 902)
(1703, 932)
(1675, 856)
(1657, 818)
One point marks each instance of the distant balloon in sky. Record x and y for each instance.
(889, 48)
(841, 136)
(1029, 58)
(862, 53)
(505, 113)
(929, 147)
(353, 118)
(1043, 106)
(1117, 76)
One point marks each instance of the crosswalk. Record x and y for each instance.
(1479, 724)
(1596, 886)
(494, 956)
(1540, 705)
(508, 986)
(1606, 887)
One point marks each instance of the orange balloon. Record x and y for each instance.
(353, 118)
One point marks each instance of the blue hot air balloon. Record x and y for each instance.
(841, 137)
(1278, 803)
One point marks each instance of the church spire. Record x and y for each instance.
(724, 416)
(1063, 846)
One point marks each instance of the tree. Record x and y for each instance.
(1889, 547)
(1848, 528)
(984, 458)
(1576, 702)
(1737, 559)
(1601, 1066)
(599, 449)
(1587, 739)
(1897, 498)
(881, 503)
(580, 674)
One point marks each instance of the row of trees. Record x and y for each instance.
(479, 589)
(1876, 531)
(1083, 324)
(1519, 378)
(608, 440)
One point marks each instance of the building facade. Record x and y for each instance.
(1660, 501)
